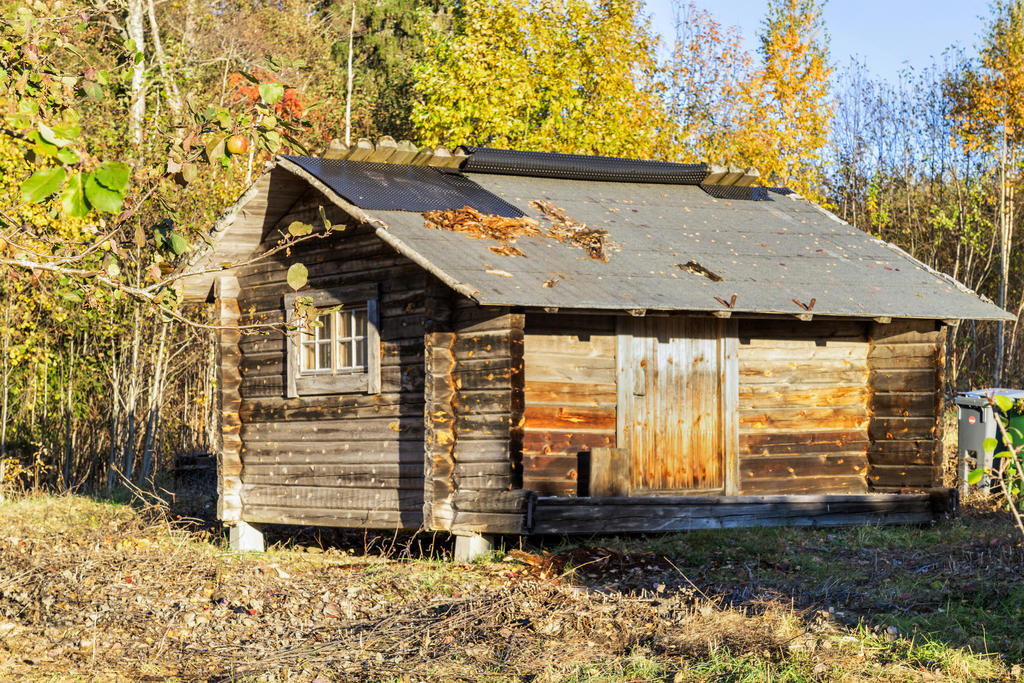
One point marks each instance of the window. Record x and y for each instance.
(337, 344)
(341, 354)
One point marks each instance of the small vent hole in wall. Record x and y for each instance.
(698, 269)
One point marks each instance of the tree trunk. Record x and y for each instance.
(348, 98)
(1004, 260)
(156, 392)
(4, 347)
(170, 86)
(137, 106)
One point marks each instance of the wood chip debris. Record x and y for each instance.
(594, 241)
(472, 223)
(506, 231)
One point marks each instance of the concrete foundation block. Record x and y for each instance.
(245, 537)
(469, 548)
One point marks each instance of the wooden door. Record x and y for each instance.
(676, 375)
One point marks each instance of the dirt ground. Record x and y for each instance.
(103, 592)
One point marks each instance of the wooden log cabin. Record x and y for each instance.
(521, 343)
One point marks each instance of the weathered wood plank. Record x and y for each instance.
(289, 495)
(903, 404)
(820, 484)
(633, 515)
(891, 428)
(551, 487)
(905, 475)
(821, 331)
(753, 397)
(562, 466)
(333, 517)
(791, 354)
(767, 444)
(810, 465)
(809, 418)
(609, 472)
(571, 393)
(568, 418)
(576, 345)
(545, 442)
(805, 376)
(336, 430)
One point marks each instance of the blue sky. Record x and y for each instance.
(885, 33)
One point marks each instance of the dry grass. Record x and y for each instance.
(94, 591)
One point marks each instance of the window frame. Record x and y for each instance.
(344, 381)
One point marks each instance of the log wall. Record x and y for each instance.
(906, 361)
(803, 407)
(353, 459)
(229, 462)
(570, 394)
(474, 415)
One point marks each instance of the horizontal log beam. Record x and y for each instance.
(554, 515)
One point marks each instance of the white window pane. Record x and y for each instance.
(345, 349)
(325, 357)
(360, 323)
(309, 356)
(324, 332)
(361, 352)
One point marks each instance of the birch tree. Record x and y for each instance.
(990, 111)
(785, 106)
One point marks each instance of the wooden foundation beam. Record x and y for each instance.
(558, 515)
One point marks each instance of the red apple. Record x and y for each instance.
(238, 144)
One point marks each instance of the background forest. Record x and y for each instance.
(129, 125)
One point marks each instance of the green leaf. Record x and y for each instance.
(72, 199)
(296, 144)
(189, 173)
(323, 216)
(93, 90)
(179, 245)
(113, 175)
(102, 198)
(248, 76)
(42, 184)
(69, 131)
(223, 119)
(66, 155)
(1005, 403)
(48, 134)
(975, 476)
(272, 141)
(215, 147)
(298, 228)
(989, 445)
(41, 147)
(297, 276)
(19, 121)
(271, 93)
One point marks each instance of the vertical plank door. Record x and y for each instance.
(672, 407)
